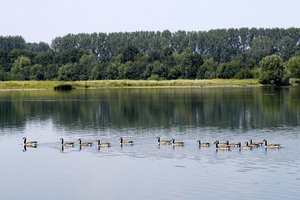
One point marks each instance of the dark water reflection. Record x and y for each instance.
(236, 108)
(145, 170)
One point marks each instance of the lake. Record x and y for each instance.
(146, 170)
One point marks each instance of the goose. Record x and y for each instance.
(159, 141)
(222, 144)
(232, 144)
(126, 142)
(203, 144)
(29, 143)
(66, 144)
(271, 146)
(258, 143)
(222, 148)
(251, 145)
(103, 144)
(244, 147)
(84, 143)
(177, 143)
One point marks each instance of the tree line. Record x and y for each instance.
(272, 55)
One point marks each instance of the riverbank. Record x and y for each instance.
(24, 85)
(39, 85)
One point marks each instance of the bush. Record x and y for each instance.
(63, 87)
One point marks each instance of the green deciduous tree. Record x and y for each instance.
(208, 69)
(37, 72)
(21, 68)
(293, 66)
(273, 72)
(228, 70)
(189, 63)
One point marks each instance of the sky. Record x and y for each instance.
(43, 20)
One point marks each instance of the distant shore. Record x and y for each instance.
(42, 85)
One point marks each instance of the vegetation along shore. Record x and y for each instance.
(40, 85)
(268, 56)
(25, 85)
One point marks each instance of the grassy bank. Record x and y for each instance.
(26, 85)
(6, 85)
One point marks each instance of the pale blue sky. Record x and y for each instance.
(43, 20)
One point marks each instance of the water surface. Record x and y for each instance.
(146, 170)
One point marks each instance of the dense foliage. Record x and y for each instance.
(222, 53)
(273, 72)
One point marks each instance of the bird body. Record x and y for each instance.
(258, 143)
(246, 147)
(233, 145)
(126, 142)
(203, 144)
(159, 141)
(222, 144)
(222, 147)
(66, 144)
(84, 143)
(177, 143)
(271, 146)
(29, 143)
(103, 144)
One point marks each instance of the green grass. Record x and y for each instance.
(128, 83)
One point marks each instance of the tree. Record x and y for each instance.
(293, 66)
(208, 69)
(67, 72)
(228, 69)
(87, 62)
(51, 72)
(261, 46)
(37, 72)
(273, 72)
(129, 54)
(189, 63)
(21, 68)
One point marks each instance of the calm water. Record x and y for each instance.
(145, 170)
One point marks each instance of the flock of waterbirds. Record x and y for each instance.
(222, 146)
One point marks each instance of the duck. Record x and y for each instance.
(246, 147)
(203, 144)
(103, 144)
(84, 143)
(177, 143)
(126, 142)
(159, 141)
(66, 144)
(223, 147)
(258, 143)
(29, 143)
(271, 146)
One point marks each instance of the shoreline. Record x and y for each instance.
(100, 84)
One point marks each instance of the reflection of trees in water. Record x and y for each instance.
(147, 108)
